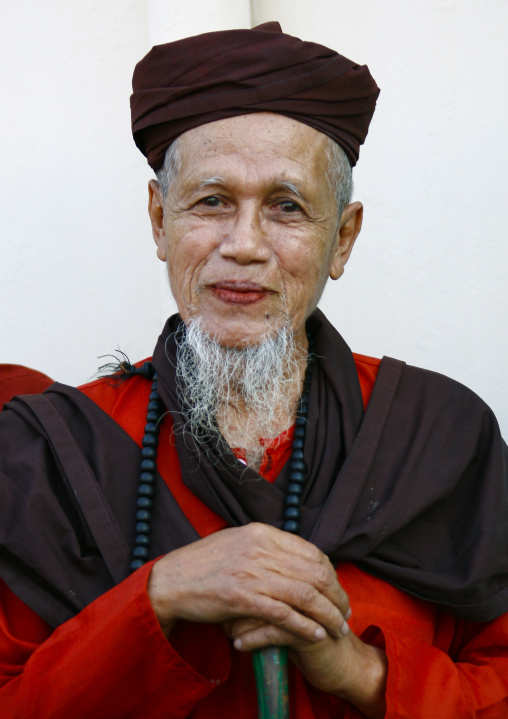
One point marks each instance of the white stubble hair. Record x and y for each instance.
(242, 394)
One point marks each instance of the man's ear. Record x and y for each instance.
(156, 212)
(349, 228)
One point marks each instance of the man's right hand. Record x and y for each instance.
(255, 572)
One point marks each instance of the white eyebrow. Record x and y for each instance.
(212, 181)
(290, 187)
(284, 185)
(217, 180)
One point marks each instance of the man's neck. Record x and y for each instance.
(242, 430)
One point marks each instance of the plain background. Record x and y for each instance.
(426, 281)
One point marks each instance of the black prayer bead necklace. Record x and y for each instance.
(297, 466)
(148, 467)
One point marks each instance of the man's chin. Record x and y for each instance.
(239, 335)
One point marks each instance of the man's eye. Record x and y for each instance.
(211, 201)
(288, 206)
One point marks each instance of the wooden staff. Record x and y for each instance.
(271, 672)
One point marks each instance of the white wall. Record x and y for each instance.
(78, 274)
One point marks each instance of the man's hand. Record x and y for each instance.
(344, 666)
(268, 587)
(255, 572)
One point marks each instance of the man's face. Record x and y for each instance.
(249, 228)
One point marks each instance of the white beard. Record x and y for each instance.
(238, 396)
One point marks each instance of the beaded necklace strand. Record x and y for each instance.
(270, 663)
(148, 468)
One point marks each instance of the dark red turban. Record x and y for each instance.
(209, 77)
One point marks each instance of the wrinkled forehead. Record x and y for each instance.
(261, 142)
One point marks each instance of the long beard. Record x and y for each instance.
(237, 396)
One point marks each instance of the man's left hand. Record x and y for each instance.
(339, 664)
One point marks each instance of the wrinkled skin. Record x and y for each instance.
(250, 234)
(249, 229)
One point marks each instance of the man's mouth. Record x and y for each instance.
(239, 293)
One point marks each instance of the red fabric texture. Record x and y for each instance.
(16, 379)
(113, 660)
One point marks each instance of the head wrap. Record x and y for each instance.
(187, 83)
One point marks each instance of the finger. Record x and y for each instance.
(302, 560)
(237, 627)
(281, 614)
(264, 635)
(293, 557)
(314, 605)
(325, 580)
(288, 603)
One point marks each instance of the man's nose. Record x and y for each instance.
(246, 240)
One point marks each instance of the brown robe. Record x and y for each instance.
(414, 491)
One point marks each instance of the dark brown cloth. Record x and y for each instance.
(187, 83)
(414, 491)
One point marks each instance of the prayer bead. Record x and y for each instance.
(141, 553)
(147, 477)
(295, 488)
(154, 406)
(144, 503)
(146, 370)
(145, 490)
(142, 528)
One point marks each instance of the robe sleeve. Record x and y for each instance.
(112, 654)
(470, 682)
(438, 665)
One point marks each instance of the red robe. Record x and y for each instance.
(16, 379)
(113, 660)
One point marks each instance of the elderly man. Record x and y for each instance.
(256, 491)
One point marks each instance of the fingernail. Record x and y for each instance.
(347, 615)
(319, 633)
(237, 644)
(344, 629)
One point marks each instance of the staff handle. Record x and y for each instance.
(271, 672)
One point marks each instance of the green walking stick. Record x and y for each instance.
(271, 663)
(271, 672)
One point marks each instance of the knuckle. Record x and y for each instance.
(321, 577)
(314, 554)
(256, 529)
(255, 534)
(343, 599)
(281, 613)
(305, 594)
(230, 593)
(270, 632)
